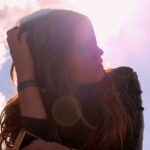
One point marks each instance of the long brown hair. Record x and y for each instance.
(102, 114)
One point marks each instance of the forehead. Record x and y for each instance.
(84, 33)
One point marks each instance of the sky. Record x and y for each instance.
(121, 27)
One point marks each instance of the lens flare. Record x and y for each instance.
(65, 111)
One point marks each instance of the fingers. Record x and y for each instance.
(23, 38)
(20, 53)
(14, 40)
(12, 31)
(12, 37)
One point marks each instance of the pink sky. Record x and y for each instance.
(113, 32)
(125, 35)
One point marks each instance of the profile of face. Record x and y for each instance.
(86, 64)
(64, 35)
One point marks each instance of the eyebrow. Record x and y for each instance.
(87, 41)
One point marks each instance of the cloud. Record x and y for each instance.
(11, 12)
(9, 15)
(3, 12)
(3, 55)
(2, 102)
(124, 37)
(42, 3)
(131, 45)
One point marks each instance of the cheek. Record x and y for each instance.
(76, 70)
(80, 72)
(79, 65)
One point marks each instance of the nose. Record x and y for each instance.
(97, 53)
(100, 51)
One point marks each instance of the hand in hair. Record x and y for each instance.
(43, 145)
(20, 53)
(30, 99)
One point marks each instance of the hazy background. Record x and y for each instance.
(122, 28)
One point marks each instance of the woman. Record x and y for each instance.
(65, 97)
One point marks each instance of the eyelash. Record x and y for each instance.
(88, 49)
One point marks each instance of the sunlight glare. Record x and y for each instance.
(25, 5)
(107, 16)
(12, 3)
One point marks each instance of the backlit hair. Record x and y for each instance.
(102, 115)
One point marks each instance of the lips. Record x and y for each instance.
(99, 64)
(101, 60)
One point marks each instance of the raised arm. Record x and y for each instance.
(31, 106)
(30, 99)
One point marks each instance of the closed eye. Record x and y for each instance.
(89, 49)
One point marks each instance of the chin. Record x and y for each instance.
(100, 75)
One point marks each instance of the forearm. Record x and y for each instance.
(30, 99)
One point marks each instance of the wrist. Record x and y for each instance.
(25, 84)
(25, 77)
(25, 74)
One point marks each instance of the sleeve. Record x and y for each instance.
(135, 92)
(127, 80)
(38, 127)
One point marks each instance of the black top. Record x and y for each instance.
(125, 78)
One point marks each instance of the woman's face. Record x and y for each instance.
(86, 65)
